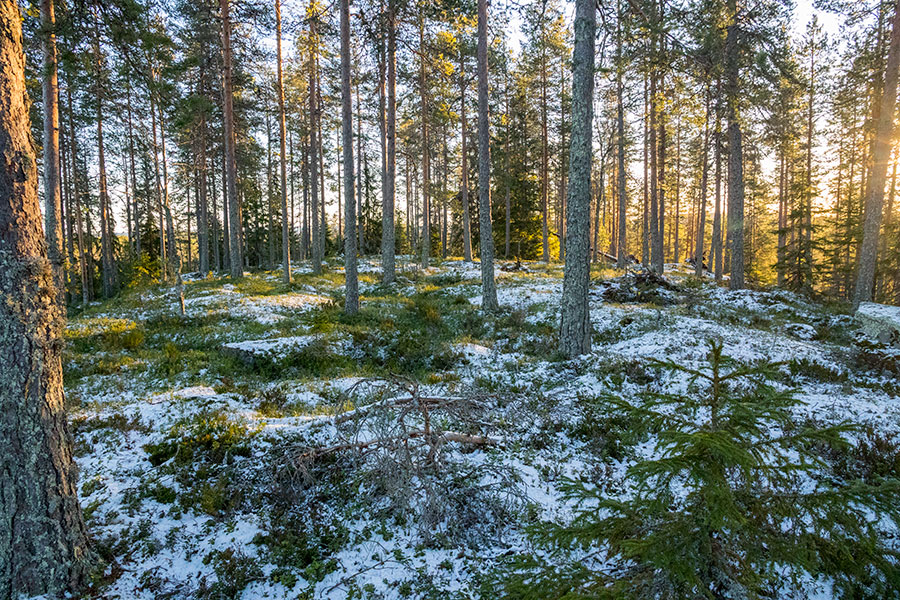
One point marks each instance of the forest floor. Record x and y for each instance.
(265, 445)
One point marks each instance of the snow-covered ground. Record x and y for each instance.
(255, 510)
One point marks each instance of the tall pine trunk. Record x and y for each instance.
(704, 184)
(426, 150)
(388, 236)
(234, 218)
(282, 137)
(620, 142)
(52, 189)
(545, 157)
(575, 324)
(735, 221)
(106, 251)
(464, 161)
(485, 230)
(315, 225)
(351, 302)
(43, 543)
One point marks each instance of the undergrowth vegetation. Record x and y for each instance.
(268, 445)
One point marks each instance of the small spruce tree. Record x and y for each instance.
(737, 501)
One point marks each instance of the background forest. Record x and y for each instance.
(141, 105)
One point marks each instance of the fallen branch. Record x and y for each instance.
(444, 436)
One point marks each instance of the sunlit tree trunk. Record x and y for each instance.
(874, 206)
(43, 543)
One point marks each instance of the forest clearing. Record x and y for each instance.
(205, 472)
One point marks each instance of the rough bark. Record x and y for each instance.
(234, 220)
(43, 543)
(575, 324)
(874, 207)
(485, 230)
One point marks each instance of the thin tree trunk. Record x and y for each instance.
(52, 190)
(360, 215)
(86, 289)
(620, 142)
(313, 152)
(270, 234)
(426, 150)
(282, 134)
(735, 226)
(388, 235)
(485, 230)
(43, 544)
(234, 221)
(704, 184)
(545, 157)
(645, 220)
(464, 163)
(106, 252)
(575, 323)
(203, 208)
(506, 174)
(172, 250)
(351, 302)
